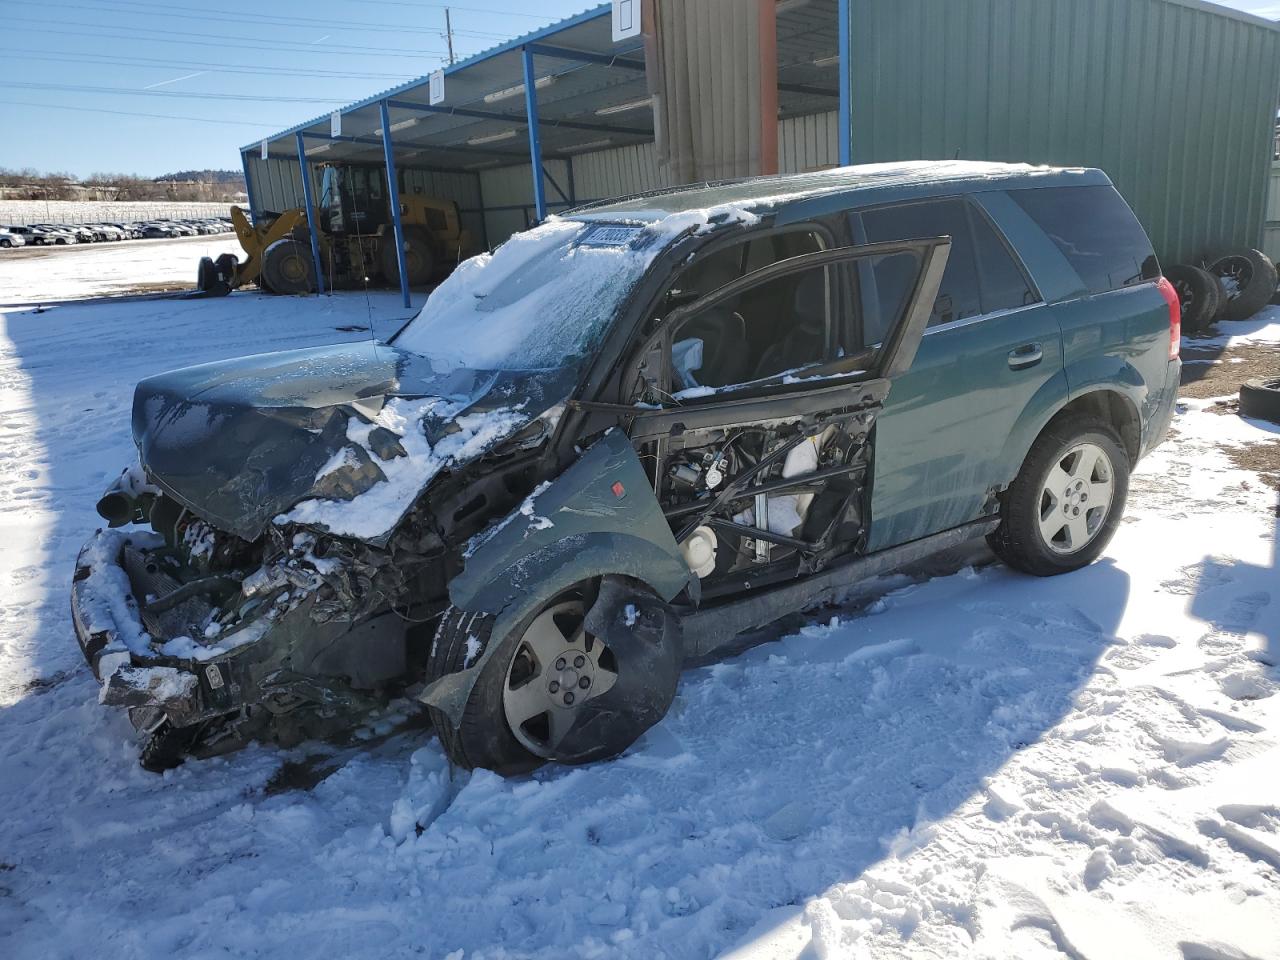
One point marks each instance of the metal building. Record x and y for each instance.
(1175, 99)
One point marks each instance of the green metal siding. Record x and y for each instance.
(1174, 99)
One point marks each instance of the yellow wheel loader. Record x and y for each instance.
(357, 240)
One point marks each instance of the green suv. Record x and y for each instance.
(618, 442)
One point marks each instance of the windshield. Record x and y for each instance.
(544, 299)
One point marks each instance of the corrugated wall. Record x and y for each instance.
(809, 143)
(1174, 101)
(274, 183)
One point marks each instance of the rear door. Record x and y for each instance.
(992, 349)
(755, 424)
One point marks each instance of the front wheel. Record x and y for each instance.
(571, 682)
(1063, 508)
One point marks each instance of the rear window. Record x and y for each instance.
(1097, 233)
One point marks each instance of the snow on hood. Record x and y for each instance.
(372, 514)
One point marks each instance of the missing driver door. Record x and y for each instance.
(756, 406)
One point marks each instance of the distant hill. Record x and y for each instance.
(204, 176)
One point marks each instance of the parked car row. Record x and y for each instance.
(64, 234)
(1233, 286)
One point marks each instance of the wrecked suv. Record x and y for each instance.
(615, 444)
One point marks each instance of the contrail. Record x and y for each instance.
(174, 80)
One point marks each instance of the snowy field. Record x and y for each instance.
(34, 275)
(976, 765)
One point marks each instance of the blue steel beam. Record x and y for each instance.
(248, 185)
(535, 144)
(843, 26)
(515, 118)
(311, 214)
(583, 56)
(393, 197)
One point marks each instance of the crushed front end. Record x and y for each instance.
(210, 640)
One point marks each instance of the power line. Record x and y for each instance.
(172, 94)
(252, 19)
(130, 113)
(172, 36)
(151, 63)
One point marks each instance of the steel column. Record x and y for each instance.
(535, 144)
(248, 185)
(305, 171)
(843, 26)
(393, 197)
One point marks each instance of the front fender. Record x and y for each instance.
(574, 529)
(599, 516)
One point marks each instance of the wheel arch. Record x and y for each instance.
(1107, 404)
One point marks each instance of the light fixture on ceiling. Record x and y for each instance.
(624, 107)
(517, 90)
(320, 149)
(491, 138)
(827, 61)
(583, 147)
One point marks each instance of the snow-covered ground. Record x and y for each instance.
(33, 275)
(981, 764)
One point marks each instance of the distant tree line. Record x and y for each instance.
(31, 184)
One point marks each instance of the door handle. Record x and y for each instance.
(1027, 355)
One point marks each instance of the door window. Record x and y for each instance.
(783, 325)
(982, 276)
(959, 296)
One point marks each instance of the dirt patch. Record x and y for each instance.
(1214, 371)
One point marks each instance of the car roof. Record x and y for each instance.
(841, 186)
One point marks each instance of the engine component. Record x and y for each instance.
(699, 551)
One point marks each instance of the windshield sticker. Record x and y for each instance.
(610, 236)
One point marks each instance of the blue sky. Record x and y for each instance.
(78, 71)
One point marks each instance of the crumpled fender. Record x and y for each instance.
(575, 529)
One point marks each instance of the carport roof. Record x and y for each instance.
(582, 79)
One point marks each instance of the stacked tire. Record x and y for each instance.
(1233, 286)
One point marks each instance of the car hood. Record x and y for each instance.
(319, 431)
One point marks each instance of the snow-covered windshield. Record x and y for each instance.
(543, 299)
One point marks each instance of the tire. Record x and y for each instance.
(420, 258)
(1030, 507)
(553, 690)
(1261, 399)
(6, 244)
(1199, 293)
(1248, 283)
(206, 275)
(288, 269)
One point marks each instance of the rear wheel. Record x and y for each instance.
(419, 257)
(287, 268)
(1063, 508)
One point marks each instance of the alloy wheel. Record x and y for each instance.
(557, 668)
(1075, 498)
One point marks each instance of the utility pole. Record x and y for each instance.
(448, 34)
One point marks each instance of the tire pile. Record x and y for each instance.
(1234, 286)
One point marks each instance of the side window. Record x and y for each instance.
(1004, 285)
(1096, 231)
(780, 325)
(737, 341)
(959, 295)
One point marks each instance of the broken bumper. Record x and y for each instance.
(105, 601)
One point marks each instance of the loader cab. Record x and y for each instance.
(353, 200)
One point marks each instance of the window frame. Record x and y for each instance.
(891, 359)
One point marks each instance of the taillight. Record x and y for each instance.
(1175, 317)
